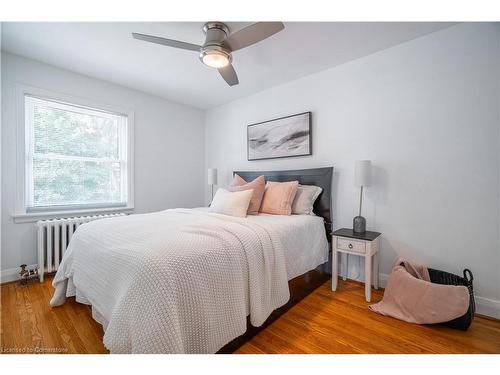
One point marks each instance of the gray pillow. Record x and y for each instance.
(304, 199)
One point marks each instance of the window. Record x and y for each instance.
(76, 157)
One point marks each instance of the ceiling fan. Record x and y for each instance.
(219, 44)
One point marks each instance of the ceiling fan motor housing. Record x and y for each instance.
(216, 33)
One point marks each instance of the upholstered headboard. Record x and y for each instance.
(321, 177)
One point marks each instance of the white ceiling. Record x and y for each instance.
(107, 51)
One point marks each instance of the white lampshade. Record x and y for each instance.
(212, 176)
(363, 173)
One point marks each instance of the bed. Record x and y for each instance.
(191, 281)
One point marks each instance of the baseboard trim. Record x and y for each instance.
(12, 274)
(484, 306)
(488, 307)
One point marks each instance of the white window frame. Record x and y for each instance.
(21, 214)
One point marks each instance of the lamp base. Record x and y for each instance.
(359, 225)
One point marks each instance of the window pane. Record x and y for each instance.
(74, 182)
(75, 155)
(67, 132)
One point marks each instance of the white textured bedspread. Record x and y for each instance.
(175, 281)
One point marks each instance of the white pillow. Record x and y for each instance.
(232, 203)
(304, 199)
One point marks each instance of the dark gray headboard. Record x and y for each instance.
(321, 177)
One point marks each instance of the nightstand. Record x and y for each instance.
(366, 245)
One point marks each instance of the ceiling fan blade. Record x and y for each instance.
(166, 42)
(229, 75)
(253, 34)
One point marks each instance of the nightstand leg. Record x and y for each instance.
(334, 270)
(375, 270)
(368, 277)
(345, 265)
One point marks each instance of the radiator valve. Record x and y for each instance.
(27, 274)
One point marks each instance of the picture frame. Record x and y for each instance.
(283, 137)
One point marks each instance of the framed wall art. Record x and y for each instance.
(283, 137)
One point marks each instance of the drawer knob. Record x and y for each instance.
(350, 246)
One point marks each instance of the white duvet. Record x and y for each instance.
(175, 281)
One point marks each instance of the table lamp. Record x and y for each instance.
(212, 179)
(362, 177)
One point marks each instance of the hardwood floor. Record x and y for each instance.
(340, 322)
(28, 322)
(323, 322)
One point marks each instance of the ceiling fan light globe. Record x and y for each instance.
(215, 59)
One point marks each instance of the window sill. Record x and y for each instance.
(34, 217)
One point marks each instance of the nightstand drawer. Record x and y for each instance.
(351, 245)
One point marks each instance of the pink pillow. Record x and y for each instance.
(278, 197)
(258, 185)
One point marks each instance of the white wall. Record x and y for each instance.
(0, 144)
(427, 113)
(168, 147)
(498, 28)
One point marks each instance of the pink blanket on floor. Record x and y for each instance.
(410, 296)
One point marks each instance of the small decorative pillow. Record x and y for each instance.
(278, 197)
(231, 203)
(258, 186)
(305, 198)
